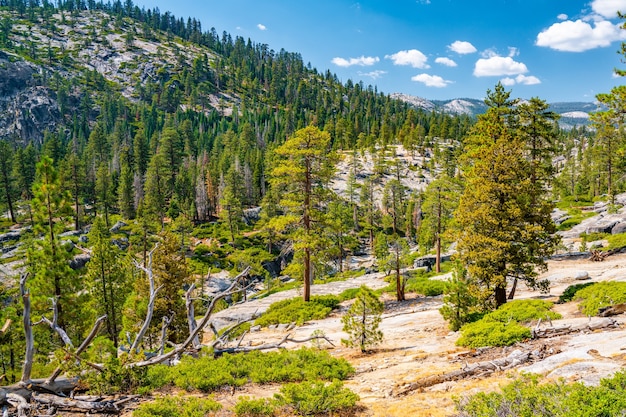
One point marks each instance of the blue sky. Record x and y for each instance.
(558, 50)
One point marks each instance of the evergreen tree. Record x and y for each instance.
(48, 259)
(6, 179)
(361, 321)
(504, 228)
(107, 278)
(303, 170)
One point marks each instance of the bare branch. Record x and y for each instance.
(191, 319)
(54, 324)
(153, 293)
(81, 348)
(179, 349)
(267, 346)
(166, 322)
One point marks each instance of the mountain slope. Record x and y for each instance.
(572, 113)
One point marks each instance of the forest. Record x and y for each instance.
(223, 155)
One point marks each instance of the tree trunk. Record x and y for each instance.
(500, 293)
(512, 292)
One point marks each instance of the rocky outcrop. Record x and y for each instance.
(27, 108)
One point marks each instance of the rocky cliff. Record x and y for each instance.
(27, 108)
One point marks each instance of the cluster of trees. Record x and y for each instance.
(165, 168)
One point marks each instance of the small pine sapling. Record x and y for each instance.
(362, 320)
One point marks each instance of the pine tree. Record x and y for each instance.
(48, 259)
(107, 278)
(504, 228)
(6, 178)
(303, 171)
(361, 321)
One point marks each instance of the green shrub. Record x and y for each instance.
(348, 294)
(425, 286)
(492, 333)
(602, 294)
(298, 311)
(254, 407)
(177, 407)
(571, 291)
(209, 374)
(317, 397)
(527, 397)
(523, 311)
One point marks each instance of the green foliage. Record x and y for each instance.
(601, 294)
(209, 374)
(296, 310)
(317, 397)
(115, 378)
(171, 406)
(526, 396)
(492, 333)
(426, 287)
(361, 321)
(570, 292)
(523, 311)
(504, 227)
(502, 327)
(254, 407)
(459, 305)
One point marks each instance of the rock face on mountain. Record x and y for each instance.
(27, 108)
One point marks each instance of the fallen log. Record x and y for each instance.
(516, 358)
(613, 310)
(69, 404)
(267, 346)
(591, 325)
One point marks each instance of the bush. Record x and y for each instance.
(253, 407)
(523, 311)
(297, 310)
(317, 397)
(527, 397)
(492, 333)
(571, 291)
(208, 374)
(177, 407)
(425, 286)
(602, 294)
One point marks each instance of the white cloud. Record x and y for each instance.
(580, 36)
(513, 51)
(412, 57)
(261, 26)
(431, 80)
(520, 79)
(562, 16)
(445, 61)
(373, 74)
(462, 47)
(508, 82)
(363, 61)
(608, 8)
(527, 79)
(497, 66)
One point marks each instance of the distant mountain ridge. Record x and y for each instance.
(572, 113)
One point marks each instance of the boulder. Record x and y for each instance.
(619, 228)
(117, 226)
(581, 275)
(79, 261)
(7, 237)
(601, 227)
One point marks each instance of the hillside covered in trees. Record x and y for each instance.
(153, 172)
